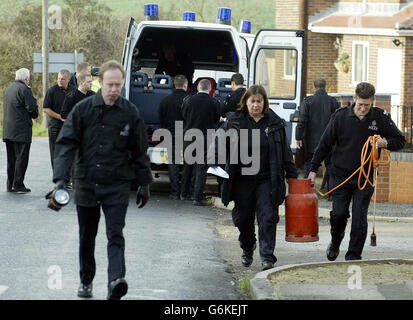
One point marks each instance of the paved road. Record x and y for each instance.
(170, 245)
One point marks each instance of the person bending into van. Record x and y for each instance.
(172, 63)
(347, 131)
(169, 112)
(260, 194)
(200, 112)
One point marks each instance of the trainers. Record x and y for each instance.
(174, 197)
(85, 291)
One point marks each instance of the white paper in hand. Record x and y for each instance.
(218, 171)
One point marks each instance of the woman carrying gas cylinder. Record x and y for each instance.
(257, 188)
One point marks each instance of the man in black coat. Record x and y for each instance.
(170, 111)
(83, 91)
(52, 106)
(231, 102)
(106, 136)
(315, 112)
(20, 107)
(200, 112)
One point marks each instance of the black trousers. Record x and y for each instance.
(188, 180)
(174, 169)
(88, 218)
(53, 133)
(254, 198)
(17, 162)
(340, 213)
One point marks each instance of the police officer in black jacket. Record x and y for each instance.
(200, 112)
(20, 107)
(348, 130)
(256, 194)
(108, 136)
(170, 111)
(231, 102)
(315, 112)
(83, 91)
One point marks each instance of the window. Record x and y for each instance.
(271, 66)
(360, 61)
(290, 61)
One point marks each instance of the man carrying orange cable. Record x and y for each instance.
(346, 135)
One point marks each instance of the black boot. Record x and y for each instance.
(248, 256)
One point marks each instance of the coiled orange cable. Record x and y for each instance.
(372, 159)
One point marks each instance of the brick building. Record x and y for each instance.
(373, 41)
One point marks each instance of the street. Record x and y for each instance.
(170, 245)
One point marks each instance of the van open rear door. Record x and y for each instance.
(275, 62)
(126, 57)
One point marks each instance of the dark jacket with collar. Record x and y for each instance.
(110, 144)
(346, 134)
(315, 112)
(281, 159)
(200, 111)
(170, 110)
(20, 107)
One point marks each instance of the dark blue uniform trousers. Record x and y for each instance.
(340, 213)
(250, 198)
(88, 218)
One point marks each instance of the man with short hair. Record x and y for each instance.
(20, 107)
(200, 112)
(347, 131)
(231, 102)
(315, 112)
(107, 138)
(169, 113)
(52, 105)
(81, 67)
(83, 91)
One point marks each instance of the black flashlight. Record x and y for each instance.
(59, 197)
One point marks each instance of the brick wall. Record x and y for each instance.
(401, 178)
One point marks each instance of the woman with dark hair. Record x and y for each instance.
(258, 194)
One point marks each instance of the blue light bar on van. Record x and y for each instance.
(245, 26)
(151, 12)
(188, 16)
(224, 16)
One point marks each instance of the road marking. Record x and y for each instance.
(3, 289)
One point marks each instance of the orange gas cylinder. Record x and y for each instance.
(301, 211)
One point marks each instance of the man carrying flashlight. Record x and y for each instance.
(106, 137)
(346, 133)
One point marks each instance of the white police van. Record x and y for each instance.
(271, 58)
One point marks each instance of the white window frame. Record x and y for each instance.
(366, 59)
(294, 69)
